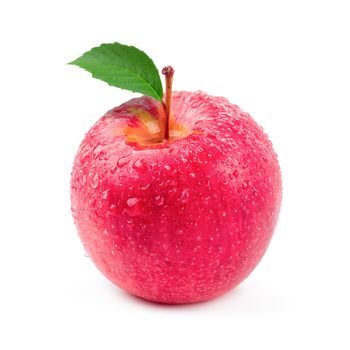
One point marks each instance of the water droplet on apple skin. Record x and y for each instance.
(132, 201)
(144, 187)
(135, 207)
(105, 194)
(184, 195)
(100, 153)
(83, 179)
(123, 161)
(113, 169)
(159, 201)
(95, 181)
(138, 164)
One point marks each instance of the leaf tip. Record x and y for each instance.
(73, 63)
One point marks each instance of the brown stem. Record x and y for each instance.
(168, 72)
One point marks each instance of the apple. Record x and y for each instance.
(176, 209)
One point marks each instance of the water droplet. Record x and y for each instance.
(167, 167)
(196, 104)
(99, 153)
(83, 180)
(159, 200)
(113, 169)
(132, 201)
(95, 181)
(105, 194)
(138, 163)
(145, 187)
(140, 166)
(105, 231)
(123, 161)
(85, 154)
(192, 175)
(235, 173)
(184, 195)
(92, 201)
(224, 213)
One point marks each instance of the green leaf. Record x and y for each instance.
(123, 66)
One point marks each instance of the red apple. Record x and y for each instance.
(182, 219)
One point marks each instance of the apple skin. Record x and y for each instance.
(181, 221)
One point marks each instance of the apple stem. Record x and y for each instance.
(168, 71)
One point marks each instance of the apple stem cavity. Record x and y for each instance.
(168, 71)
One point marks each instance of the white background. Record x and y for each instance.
(285, 62)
